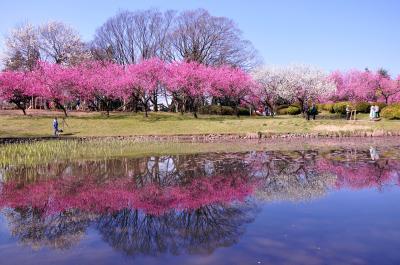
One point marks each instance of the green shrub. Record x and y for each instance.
(282, 111)
(243, 111)
(206, 109)
(225, 110)
(326, 107)
(296, 104)
(391, 112)
(293, 110)
(279, 107)
(222, 110)
(340, 107)
(216, 110)
(363, 107)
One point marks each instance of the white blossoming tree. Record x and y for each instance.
(294, 83)
(61, 44)
(22, 48)
(306, 83)
(55, 42)
(269, 81)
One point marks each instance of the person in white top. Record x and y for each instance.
(372, 113)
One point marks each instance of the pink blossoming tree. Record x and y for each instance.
(53, 82)
(100, 82)
(16, 88)
(144, 81)
(356, 85)
(232, 84)
(188, 83)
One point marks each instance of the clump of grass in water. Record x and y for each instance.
(44, 152)
(48, 151)
(52, 151)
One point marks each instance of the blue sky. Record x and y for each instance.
(335, 34)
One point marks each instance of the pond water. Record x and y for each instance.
(331, 206)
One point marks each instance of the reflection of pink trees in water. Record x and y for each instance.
(157, 185)
(362, 174)
(86, 194)
(198, 216)
(134, 203)
(172, 204)
(303, 175)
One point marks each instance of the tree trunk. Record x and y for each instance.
(145, 109)
(155, 102)
(302, 110)
(60, 106)
(21, 106)
(270, 108)
(65, 112)
(106, 104)
(236, 111)
(183, 109)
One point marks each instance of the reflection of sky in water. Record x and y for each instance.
(299, 207)
(4, 234)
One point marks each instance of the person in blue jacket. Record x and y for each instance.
(55, 126)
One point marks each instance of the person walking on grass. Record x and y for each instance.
(313, 111)
(55, 127)
(377, 111)
(306, 111)
(372, 113)
(348, 112)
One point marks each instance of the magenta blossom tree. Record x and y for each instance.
(16, 88)
(356, 85)
(386, 87)
(232, 84)
(99, 82)
(144, 81)
(188, 83)
(396, 98)
(53, 82)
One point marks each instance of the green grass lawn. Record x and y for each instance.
(127, 124)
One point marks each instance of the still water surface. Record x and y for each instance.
(337, 206)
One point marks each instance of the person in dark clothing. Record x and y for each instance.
(55, 126)
(306, 111)
(377, 111)
(312, 112)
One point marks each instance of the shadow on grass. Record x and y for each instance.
(68, 134)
